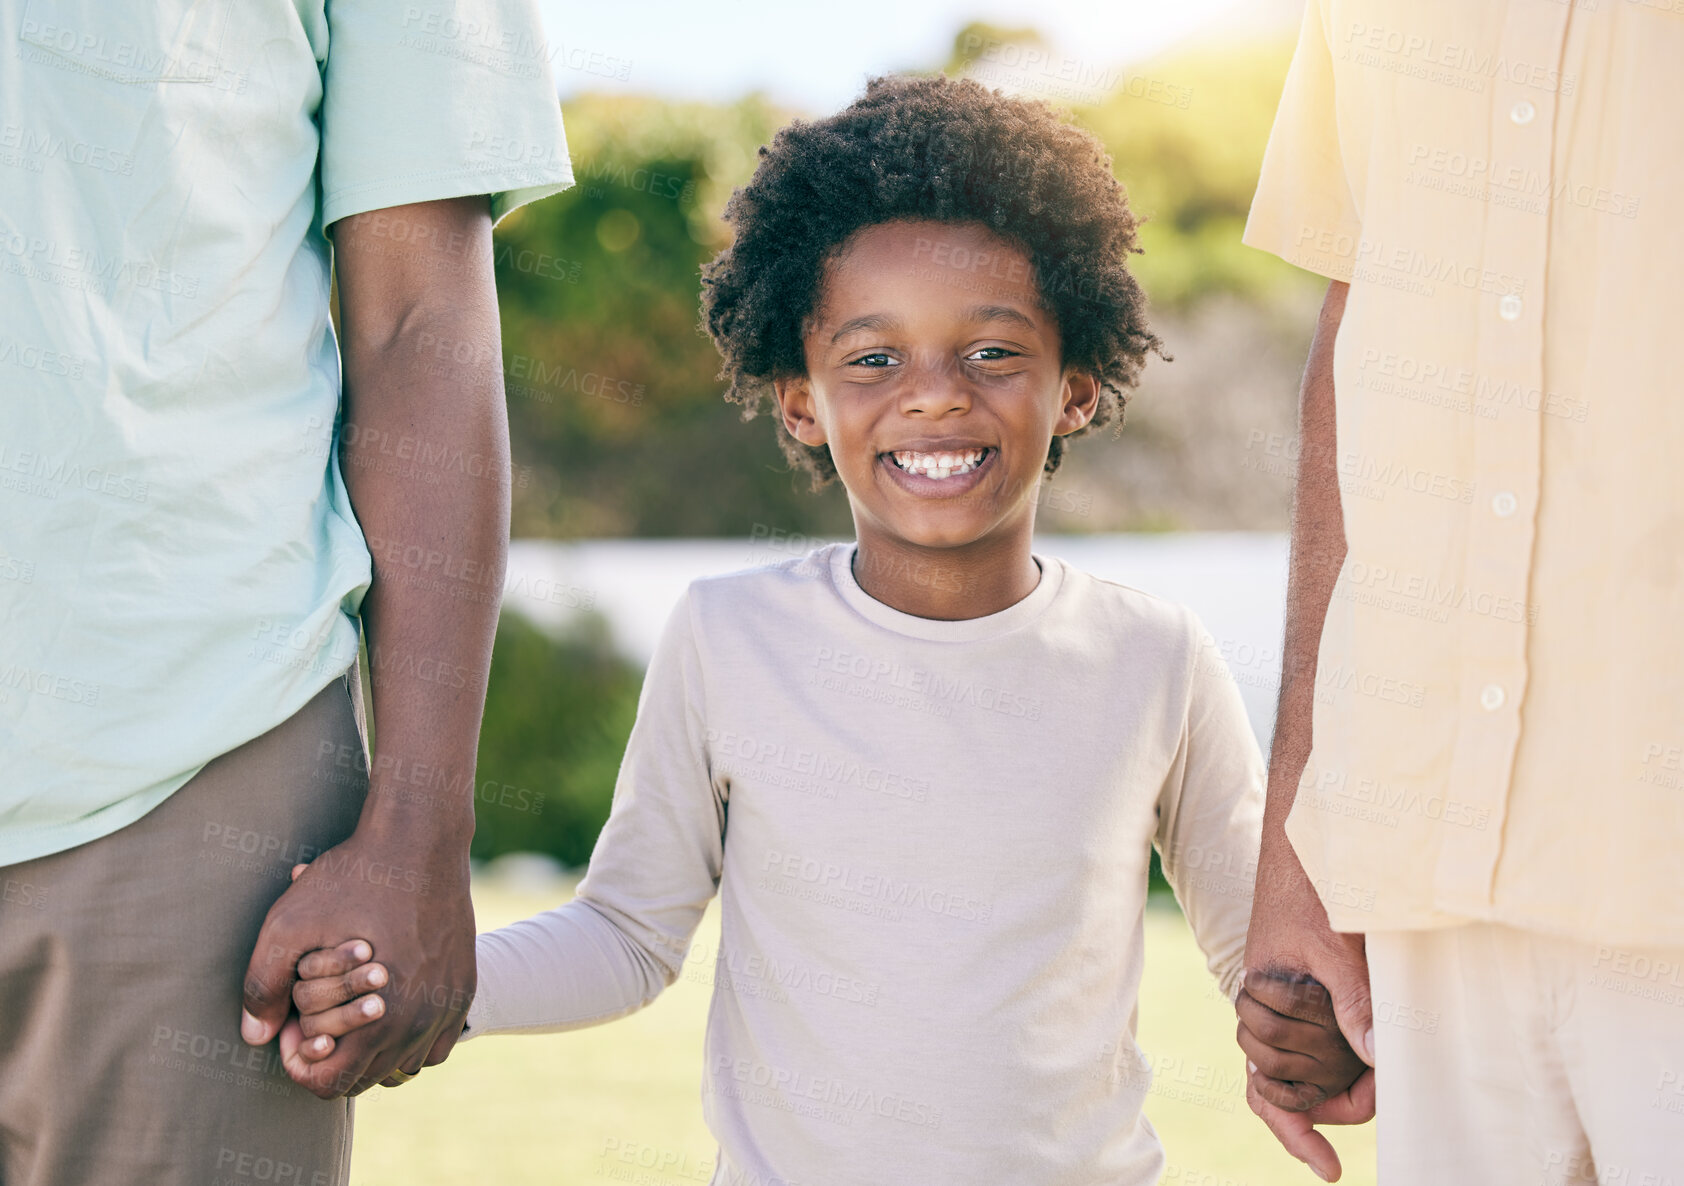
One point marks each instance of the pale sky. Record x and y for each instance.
(816, 57)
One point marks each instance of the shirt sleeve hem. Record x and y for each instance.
(481, 1018)
(1271, 237)
(1230, 980)
(507, 189)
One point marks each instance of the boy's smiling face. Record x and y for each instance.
(934, 375)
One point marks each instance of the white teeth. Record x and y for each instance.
(939, 465)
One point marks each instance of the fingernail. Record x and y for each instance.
(361, 951)
(1251, 1066)
(377, 977)
(371, 1006)
(318, 1044)
(1317, 1172)
(255, 1032)
(1368, 1045)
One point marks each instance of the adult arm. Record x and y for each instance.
(1289, 937)
(425, 454)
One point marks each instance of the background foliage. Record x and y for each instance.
(557, 714)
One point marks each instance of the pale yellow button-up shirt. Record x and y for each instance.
(1499, 726)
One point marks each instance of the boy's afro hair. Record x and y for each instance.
(927, 148)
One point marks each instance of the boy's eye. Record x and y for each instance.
(875, 360)
(991, 354)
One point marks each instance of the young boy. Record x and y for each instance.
(924, 772)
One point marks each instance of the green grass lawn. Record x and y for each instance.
(622, 1102)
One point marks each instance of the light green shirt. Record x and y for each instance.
(179, 564)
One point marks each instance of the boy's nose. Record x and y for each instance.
(934, 388)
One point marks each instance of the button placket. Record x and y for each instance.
(1506, 456)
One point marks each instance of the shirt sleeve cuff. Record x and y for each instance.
(481, 1011)
(1229, 982)
(1327, 250)
(508, 190)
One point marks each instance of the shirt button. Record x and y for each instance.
(1491, 698)
(1503, 505)
(1522, 112)
(1509, 307)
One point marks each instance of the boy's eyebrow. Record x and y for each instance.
(881, 321)
(878, 321)
(1001, 313)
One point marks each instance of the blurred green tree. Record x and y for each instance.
(558, 711)
(614, 403)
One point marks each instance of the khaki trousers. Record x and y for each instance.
(121, 963)
(1506, 1057)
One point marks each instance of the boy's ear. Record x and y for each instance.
(796, 407)
(1081, 400)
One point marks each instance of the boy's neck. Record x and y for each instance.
(947, 584)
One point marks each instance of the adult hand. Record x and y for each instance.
(1290, 1034)
(407, 895)
(1290, 940)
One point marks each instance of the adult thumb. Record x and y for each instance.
(267, 994)
(1354, 1010)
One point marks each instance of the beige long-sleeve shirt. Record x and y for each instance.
(931, 842)
(1499, 727)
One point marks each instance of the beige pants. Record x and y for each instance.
(1506, 1057)
(121, 963)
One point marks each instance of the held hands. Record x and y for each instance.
(1301, 1070)
(423, 930)
(336, 994)
(1298, 1056)
(1289, 948)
